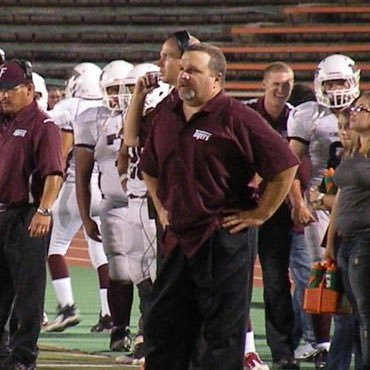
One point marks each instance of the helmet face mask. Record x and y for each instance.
(112, 97)
(337, 82)
(112, 84)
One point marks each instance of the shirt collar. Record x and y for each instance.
(211, 106)
(24, 113)
(261, 108)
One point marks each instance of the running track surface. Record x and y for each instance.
(77, 255)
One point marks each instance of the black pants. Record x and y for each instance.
(274, 241)
(22, 281)
(205, 295)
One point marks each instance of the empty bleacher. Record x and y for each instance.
(57, 34)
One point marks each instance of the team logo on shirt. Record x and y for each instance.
(202, 135)
(19, 132)
(3, 70)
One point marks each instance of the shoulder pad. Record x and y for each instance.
(250, 101)
(307, 110)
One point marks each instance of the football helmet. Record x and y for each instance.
(113, 74)
(40, 91)
(337, 67)
(2, 57)
(155, 96)
(84, 82)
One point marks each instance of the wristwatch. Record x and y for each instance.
(44, 211)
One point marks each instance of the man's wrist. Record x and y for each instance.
(44, 211)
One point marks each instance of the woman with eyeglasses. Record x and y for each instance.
(351, 220)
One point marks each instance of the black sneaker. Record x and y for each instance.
(320, 358)
(104, 325)
(22, 366)
(139, 350)
(289, 363)
(67, 316)
(120, 340)
(137, 357)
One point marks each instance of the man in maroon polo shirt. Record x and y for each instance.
(202, 153)
(275, 236)
(30, 178)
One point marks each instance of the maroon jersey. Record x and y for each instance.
(205, 165)
(30, 149)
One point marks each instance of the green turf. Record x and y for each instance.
(60, 349)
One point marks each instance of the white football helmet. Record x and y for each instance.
(84, 82)
(113, 75)
(155, 96)
(337, 67)
(2, 57)
(40, 90)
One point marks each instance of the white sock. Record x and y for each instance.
(103, 293)
(249, 342)
(63, 291)
(323, 345)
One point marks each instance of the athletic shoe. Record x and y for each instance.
(130, 360)
(21, 366)
(320, 358)
(67, 316)
(252, 361)
(305, 352)
(289, 363)
(104, 325)
(120, 340)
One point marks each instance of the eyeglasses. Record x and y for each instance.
(358, 109)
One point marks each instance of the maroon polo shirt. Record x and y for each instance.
(30, 149)
(146, 122)
(279, 124)
(204, 166)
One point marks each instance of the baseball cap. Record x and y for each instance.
(14, 73)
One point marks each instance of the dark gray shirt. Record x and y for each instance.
(353, 178)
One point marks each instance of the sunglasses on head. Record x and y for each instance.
(182, 39)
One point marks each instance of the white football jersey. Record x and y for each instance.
(99, 130)
(64, 114)
(316, 126)
(135, 183)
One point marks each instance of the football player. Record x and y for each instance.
(140, 222)
(82, 92)
(98, 139)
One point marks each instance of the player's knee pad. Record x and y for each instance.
(119, 268)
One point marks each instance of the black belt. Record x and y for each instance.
(7, 206)
(132, 196)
